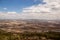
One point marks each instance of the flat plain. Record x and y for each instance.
(29, 29)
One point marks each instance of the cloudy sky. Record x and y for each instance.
(30, 9)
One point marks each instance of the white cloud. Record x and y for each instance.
(5, 8)
(9, 15)
(50, 10)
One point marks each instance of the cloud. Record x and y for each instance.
(9, 15)
(11, 12)
(5, 8)
(49, 11)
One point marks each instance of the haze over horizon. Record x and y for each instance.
(30, 9)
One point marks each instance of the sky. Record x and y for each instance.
(30, 9)
(16, 5)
